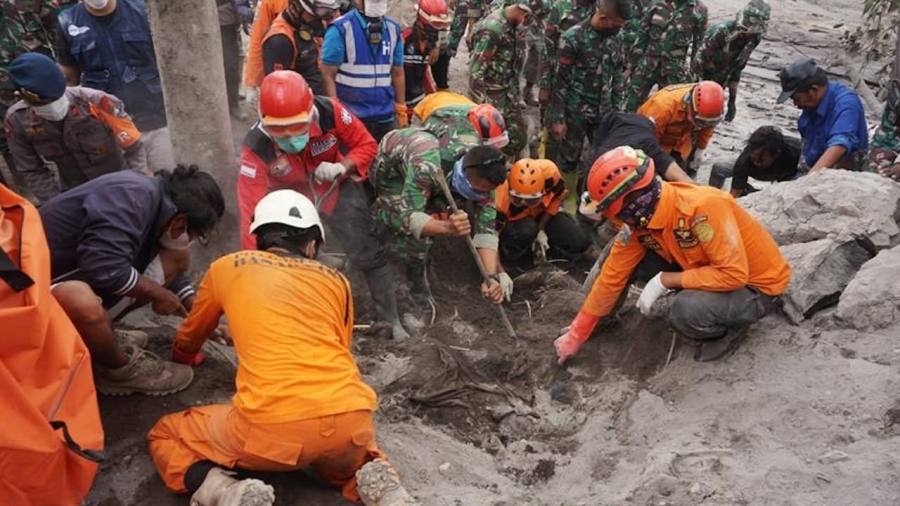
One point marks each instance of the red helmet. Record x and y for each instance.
(707, 104)
(434, 13)
(616, 174)
(489, 124)
(285, 99)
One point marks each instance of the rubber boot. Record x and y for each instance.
(220, 488)
(571, 203)
(419, 291)
(381, 285)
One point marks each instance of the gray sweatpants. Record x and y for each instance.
(721, 171)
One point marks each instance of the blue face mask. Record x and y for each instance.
(293, 145)
(463, 187)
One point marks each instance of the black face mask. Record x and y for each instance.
(373, 31)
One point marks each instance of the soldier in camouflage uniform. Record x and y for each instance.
(495, 68)
(25, 26)
(408, 197)
(629, 33)
(670, 31)
(726, 49)
(588, 81)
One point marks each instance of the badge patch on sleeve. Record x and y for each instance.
(685, 236)
(345, 117)
(249, 171)
(703, 229)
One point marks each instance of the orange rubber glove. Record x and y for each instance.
(183, 357)
(568, 344)
(402, 114)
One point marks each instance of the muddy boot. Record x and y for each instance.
(144, 373)
(379, 485)
(220, 488)
(710, 350)
(419, 291)
(381, 285)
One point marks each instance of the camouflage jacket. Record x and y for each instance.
(629, 32)
(589, 75)
(404, 175)
(670, 29)
(25, 26)
(564, 14)
(724, 53)
(494, 65)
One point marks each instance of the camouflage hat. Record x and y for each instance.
(755, 16)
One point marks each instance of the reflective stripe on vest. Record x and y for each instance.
(364, 82)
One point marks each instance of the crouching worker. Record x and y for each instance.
(300, 401)
(121, 241)
(529, 220)
(726, 269)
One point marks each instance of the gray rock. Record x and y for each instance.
(832, 202)
(820, 271)
(832, 456)
(872, 299)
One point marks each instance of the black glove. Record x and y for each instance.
(732, 109)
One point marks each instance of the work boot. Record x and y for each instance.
(719, 348)
(379, 485)
(131, 338)
(220, 488)
(144, 373)
(419, 291)
(381, 285)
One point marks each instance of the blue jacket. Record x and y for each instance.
(116, 55)
(364, 76)
(105, 232)
(839, 120)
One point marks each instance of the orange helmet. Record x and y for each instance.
(285, 100)
(489, 124)
(434, 13)
(707, 104)
(526, 180)
(616, 174)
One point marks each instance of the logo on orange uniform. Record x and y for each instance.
(684, 236)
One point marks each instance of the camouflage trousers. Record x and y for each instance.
(515, 126)
(387, 211)
(580, 126)
(650, 71)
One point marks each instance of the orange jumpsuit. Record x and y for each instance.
(266, 12)
(668, 109)
(555, 194)
(300, 401)
(704, 230)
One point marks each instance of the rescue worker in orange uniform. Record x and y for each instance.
(299, 144)
(421, 49)
(300, 400)
(264, 15)
(294, 39)
(685, 116)
(529, 218)
(726, 269)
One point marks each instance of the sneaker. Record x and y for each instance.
(131, 338)
(379, 485)
(220, 488)
(144, 373)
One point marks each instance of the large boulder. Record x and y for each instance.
(820, 271)
(872, 299)
(832, 202)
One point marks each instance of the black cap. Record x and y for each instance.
(796, 76)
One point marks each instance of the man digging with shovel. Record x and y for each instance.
(724, 267)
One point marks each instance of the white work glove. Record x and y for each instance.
(327, 172)
(506, 284)
(698, 157)
(540, 246)
(652, 291)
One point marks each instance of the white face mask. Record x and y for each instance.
(97, 5)
(54, 111)
(182, 242)
(375, 8)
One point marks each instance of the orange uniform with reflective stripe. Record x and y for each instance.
(554, 194)
(668, 109)
(720, 246)
(291, 320)
(266, 12)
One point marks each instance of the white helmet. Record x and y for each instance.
(286, 207)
